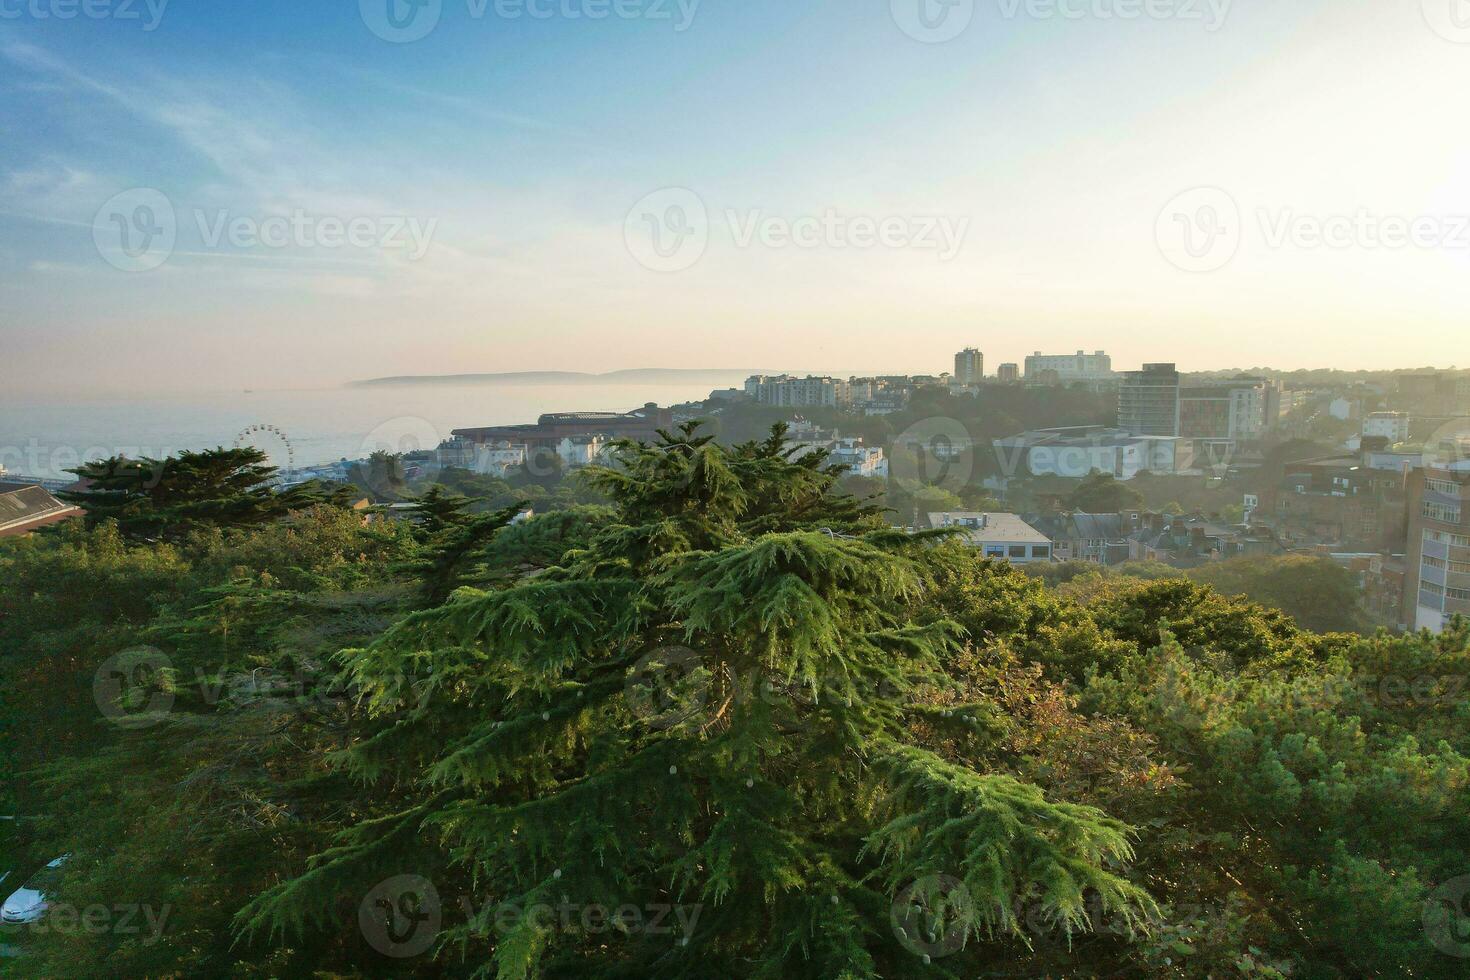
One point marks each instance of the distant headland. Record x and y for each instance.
(635, 376)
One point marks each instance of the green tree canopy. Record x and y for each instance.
(170, 498)
(1101, 493)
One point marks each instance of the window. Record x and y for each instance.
(1461, 594)
(1430, 562)
(1447, 513)
(1443, 487)
(1018, 551)
(1455, 540)
(1041, 551)
(1431, 588)
(995, 551)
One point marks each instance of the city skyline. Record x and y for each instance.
(1023, 181)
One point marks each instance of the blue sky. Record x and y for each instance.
(518, 145)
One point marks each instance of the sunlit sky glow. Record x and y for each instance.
(526, 142)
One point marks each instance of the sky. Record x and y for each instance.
(214, 194)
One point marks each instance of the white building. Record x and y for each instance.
(787, 391)
(1001, 536)
(497, 459)
(1393, 426)
(576, 453)
(859, 459)
(848, 452)
(1075, 452)
(1070, 368)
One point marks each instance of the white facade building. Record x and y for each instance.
(1393, 426)
(1080, 366)
(849, 452)
(787, 391)
(498, 460)
(1075, 452)
(1000, 536)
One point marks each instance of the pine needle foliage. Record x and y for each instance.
(708, 703)
(167, 499)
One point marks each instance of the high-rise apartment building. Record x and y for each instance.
(969, 367)
(791, 392)
(1008, 374)
(1437, 580)
(1148, 401)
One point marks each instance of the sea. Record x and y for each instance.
(297, 429)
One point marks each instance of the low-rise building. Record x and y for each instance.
(1340, 501)
(1073, 452)
(1005, 537)
(848, 452)
(26, 507)
(1183, 542)
(1101, 539)
(1393, 426)
(1382, 582)
(641, 424)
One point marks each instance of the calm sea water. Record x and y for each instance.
(43, 438)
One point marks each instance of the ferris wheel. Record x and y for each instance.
(273, 441)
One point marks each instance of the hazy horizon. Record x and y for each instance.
(295, 196)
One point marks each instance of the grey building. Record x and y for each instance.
(1148, 401)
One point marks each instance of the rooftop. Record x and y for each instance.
(24, 507)
(990, 528)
